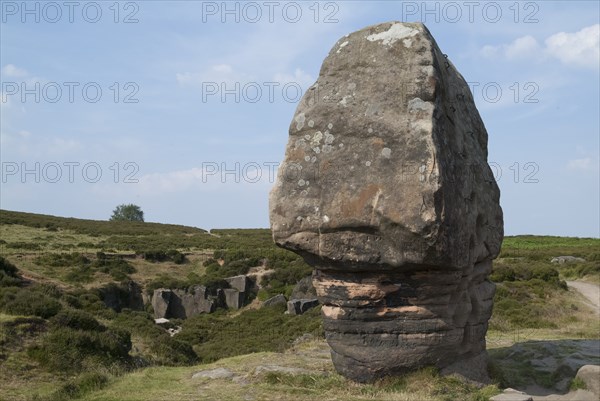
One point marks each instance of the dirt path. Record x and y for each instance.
(590, 291)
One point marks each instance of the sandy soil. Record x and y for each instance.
(590, 291)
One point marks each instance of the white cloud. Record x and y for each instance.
(216, 73)
(60, 146)
(12, 71)
(209, 177)
(299, 76)
(586, 164)
(522, 47)
(580, 48)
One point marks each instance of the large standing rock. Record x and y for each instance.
(385, 190)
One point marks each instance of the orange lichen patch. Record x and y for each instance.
(295, 155)
(411, 310)
(370, 288)
(332, 312)
(325, 165)
(356, 206)
(377, 142)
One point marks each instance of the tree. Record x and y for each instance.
(128, 212)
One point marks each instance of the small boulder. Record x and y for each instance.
(561, 260)
(590, 375)
(278, 299)
(300, 306)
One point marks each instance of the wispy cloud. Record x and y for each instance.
(215, 73)
(585, 164)
(12, 71)
(578, 49)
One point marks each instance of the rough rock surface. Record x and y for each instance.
(300, 306)
(590, 375)
(234, 299)
(566, 259)
(512, 395)
(386, 191)
(304, 289)
(278, 299)
(181, 304)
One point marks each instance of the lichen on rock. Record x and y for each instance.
(393, 204)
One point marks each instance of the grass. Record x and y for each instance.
(59, 263)
(176, 383)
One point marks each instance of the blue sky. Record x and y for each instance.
(184, 106)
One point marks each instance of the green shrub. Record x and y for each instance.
(62, 259)
(78, 387)
(8, 268)
(577, 384)
(160, 348)
(79, 274)
(219, 335)
(162, 256)
(76, 319)
(170, 351)
(66, 349)
(27, 301)
(8, 274)
(118, 268)
(30, 246)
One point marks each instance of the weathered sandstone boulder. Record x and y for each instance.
(386, 191)
(300, 306)
(278, 299)
(181, 304)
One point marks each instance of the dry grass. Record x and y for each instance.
(158, 384)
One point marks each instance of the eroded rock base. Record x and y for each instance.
(381, 323)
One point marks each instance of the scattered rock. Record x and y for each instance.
(299, 306)
(561, 260)
(386, 191)
(218, 373)
(161, 320)
(512, 395)
(174, 330)
(278, 299)
(590, 375)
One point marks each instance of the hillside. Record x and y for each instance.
(59, 340)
